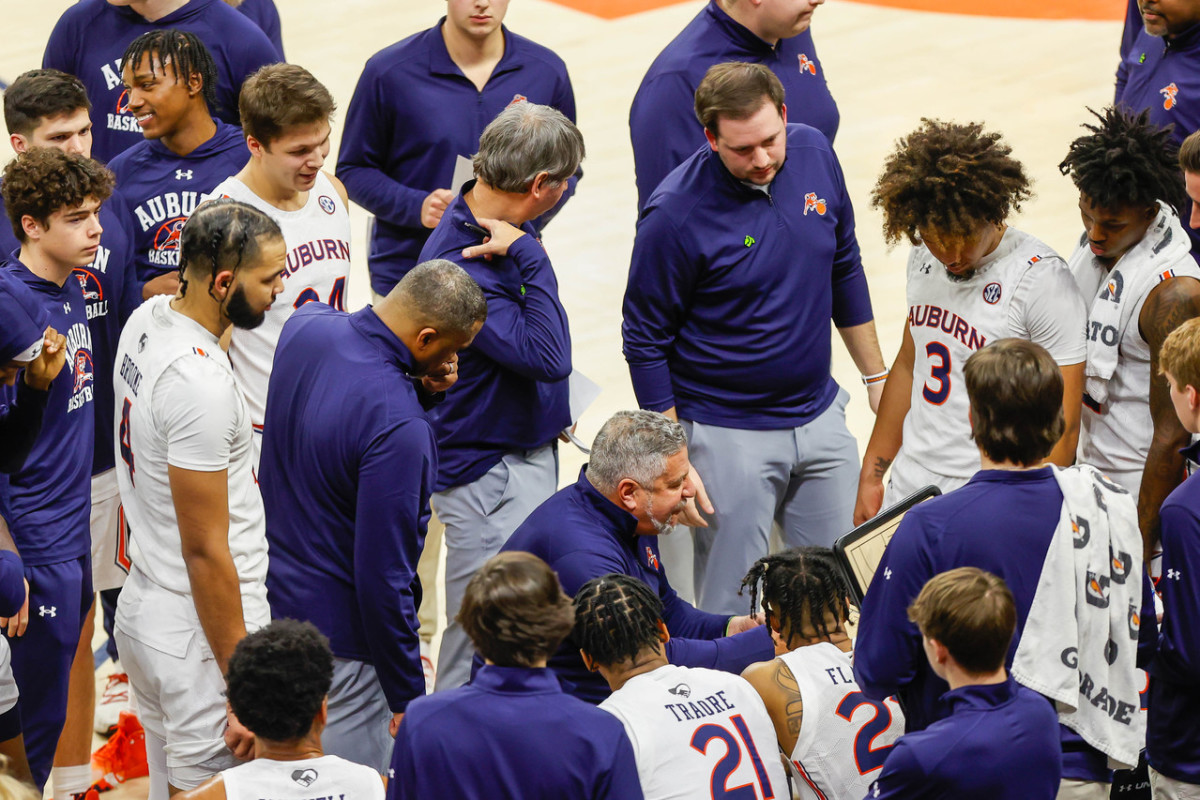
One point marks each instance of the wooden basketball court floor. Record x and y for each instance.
(1026, 68)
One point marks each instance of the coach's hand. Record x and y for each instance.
(742, 624)
(45, 368)
(238, 737)
(697, 503)
(502, 237)
(394, 725)
(15, 626)
(442, 377)
(434, 205)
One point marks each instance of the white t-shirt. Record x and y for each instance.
(307, 779)
(317, 237)
(8, 685)
(844, 736)
(178, 404)
(696, 732)
(1022, 289)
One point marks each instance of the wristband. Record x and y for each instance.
(878, 377)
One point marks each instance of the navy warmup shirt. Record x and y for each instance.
(726, 314)
(412, 113)
(1001, 521)
(511, 392)
(1163, 75)
(347, 467)
(91, 36)
(1172, 738)
(511, 735)
(582, 535)
(49, 500)
(999, 743)
(662, 121)
(162, 189)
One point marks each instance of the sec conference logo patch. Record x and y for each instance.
(327, 204)
(991, 293)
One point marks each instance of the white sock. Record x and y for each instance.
(70, 781)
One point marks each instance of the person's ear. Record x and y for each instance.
(426, 338)
(222, 281)
(19, 143)
(195, 84)
(627, 494)
(1193, 398)
(664, 635)
(588, 663)
(712, 139)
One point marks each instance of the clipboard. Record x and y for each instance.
(860, 551)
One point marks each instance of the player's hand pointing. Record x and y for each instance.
(45, 368)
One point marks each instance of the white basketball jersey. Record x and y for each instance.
(698, 733)
(317, 237)
(155, 339)
(307, 779)
(1021, 289)
(844, 736)
(1115, 436)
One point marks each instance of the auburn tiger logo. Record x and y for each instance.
(1169, 93)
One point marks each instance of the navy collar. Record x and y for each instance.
(1012, 475)
(372, 328)
(738, 33)
(516, 680)
(617, 519)
(1184, 40)
(440, 62)
(981, 696)
(1192, 452)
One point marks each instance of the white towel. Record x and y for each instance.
(1150, 261)
(1079, 646)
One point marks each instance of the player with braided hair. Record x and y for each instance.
(1133, 264)
(671, 713)
(199, 546)
(949, 189)
(835, 737)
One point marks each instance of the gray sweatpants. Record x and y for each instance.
(803, 478)
(357, 727)
(479, 517)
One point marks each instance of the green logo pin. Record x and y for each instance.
(749, 241)
(1142, 58)
(522, 290)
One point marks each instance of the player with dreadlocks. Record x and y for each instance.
(171, 80)
(1134, 267)
(810, 692)
(949, 189)
(195, 515)
(671, 713)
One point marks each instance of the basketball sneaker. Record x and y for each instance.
(124, 755)
(114, 701)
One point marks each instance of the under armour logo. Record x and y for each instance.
(1174, 574)
(183, 174)
(391, 774)
(66, 308)
(52, 611)
(925, 268)
(887, 573)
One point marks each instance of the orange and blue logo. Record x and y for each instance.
(814, 203)
(651, 559)
(807, 65)
(1169, 93)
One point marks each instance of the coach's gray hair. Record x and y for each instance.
(523, 140)
(634, 445)
(441, 294)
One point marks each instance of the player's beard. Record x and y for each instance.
(240, 312)
(962, 277)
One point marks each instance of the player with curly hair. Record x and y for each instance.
(820, 713)
(1134, 266)
(672, 713)
(278, 681)
(949, 189)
